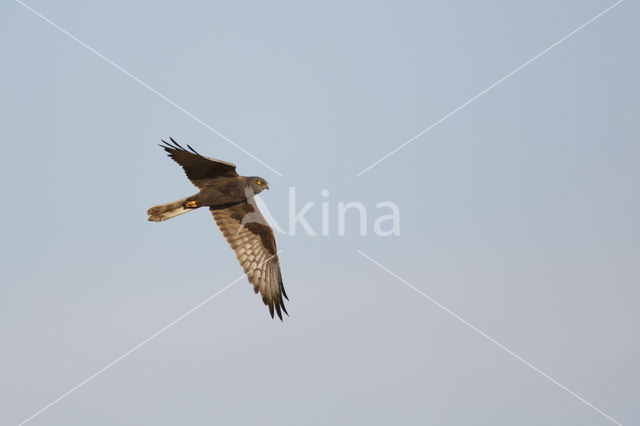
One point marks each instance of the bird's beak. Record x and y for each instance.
(266, 185)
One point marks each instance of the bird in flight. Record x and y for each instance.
(229, 197)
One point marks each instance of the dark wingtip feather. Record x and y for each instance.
(167, 146)
(192, 150)
(279, 311)
(174, 145)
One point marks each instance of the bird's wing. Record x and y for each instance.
(199, 169)
(252, 239)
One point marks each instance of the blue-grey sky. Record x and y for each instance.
(519, 212)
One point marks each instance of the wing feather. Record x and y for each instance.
(255, 247)
(198, 168)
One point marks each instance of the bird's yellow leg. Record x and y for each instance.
(191, 204)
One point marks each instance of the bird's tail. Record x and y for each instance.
(167, 211)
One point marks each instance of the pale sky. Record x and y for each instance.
(519, 213)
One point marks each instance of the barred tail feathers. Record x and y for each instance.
(167, 211)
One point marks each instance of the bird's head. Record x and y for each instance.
(258, 184)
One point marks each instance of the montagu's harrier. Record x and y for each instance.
(229, 197)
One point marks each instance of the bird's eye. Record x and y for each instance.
(259, 182)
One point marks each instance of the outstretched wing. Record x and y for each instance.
(251, 238)
(199, 169)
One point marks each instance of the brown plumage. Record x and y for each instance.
(229, 197)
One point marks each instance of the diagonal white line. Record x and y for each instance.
(485, 335)
(139, 345)
(488, 88)
(142, 83)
